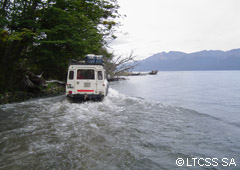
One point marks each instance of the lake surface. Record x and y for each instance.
(216, 93)
(146, 122)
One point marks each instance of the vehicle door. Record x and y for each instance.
(70, 81)
(85, 81)
(100, 82)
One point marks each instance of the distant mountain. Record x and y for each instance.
(202, 60)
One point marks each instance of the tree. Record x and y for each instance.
(42, 35)
(118, 65)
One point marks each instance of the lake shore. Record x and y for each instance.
(52, 89)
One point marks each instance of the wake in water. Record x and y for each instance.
(122, 132)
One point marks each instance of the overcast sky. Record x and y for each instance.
(153, 26)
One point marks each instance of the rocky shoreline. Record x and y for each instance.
(51, 89)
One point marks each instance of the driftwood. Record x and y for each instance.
(31, 85)
(153, 72)
(60, 83)
(116, 79)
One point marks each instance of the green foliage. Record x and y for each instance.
(21, 35)
(42, 35)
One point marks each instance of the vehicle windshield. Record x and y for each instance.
(85, 74)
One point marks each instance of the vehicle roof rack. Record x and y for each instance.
(89, 59)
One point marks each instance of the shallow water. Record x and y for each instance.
(122, 132)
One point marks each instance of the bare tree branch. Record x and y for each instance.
(118, 65)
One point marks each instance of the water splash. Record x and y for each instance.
(122, 132)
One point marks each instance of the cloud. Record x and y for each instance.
(186, 25)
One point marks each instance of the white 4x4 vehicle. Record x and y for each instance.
(87, 79)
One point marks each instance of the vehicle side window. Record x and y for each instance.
(71, 75)
(100, 75)
(85, 74)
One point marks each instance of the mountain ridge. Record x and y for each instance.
(201, 60)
